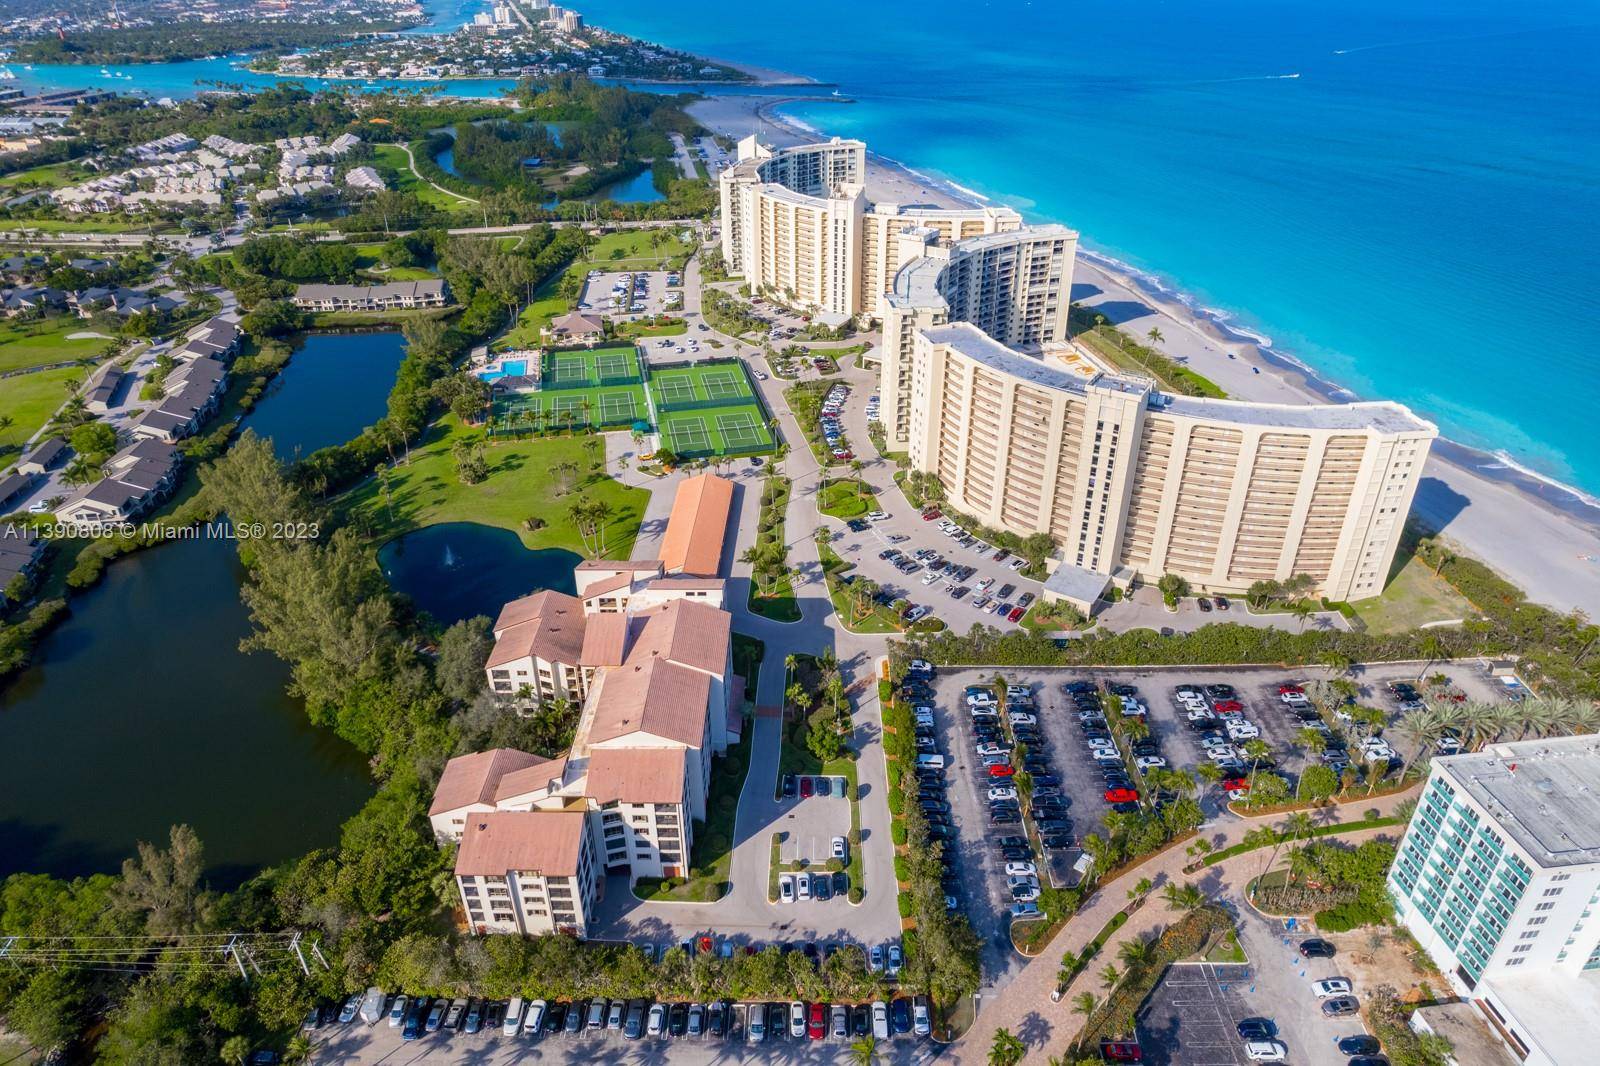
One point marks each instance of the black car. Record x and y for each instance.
(555, 1017)
(1011, 842)
(1004, 817)
(841, 883)
(1126, 807)
(1257, 1029)
(860, 1020)
(1316, 948)
(857, 525)
(1221, 692)
(1016, 854)
(1119, 689)
(717, 1019)
(1055, 841)
(1005, 592)
(1369, 1060)
(900, 1014)
(1076, 687)
(1361, 1044)
(932, 806)
(1046, 781)
(788, 785)
(1051, 825)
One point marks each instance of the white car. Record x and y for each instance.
(1295, 699)
(1021, 869)
(1265, 1051)
(1214, 742)
(878, 516)
(1383, 754)
(657, 1025)
(1199, 714)
(786, 888)
(803, 887)
(986, 584)
(1018, 718)
(930, 578)
(1101, 744)
(1243, 730)
(397, 1011)
(1149, 762)
(1017, 564)
(1002, 792)
(797, 1019)
(840, 849)
(1333, 986)
(534, 1017)
(1223, 754)
(992, 749)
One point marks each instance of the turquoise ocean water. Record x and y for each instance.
(1415, 215)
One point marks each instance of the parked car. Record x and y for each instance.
(1340, 1006)
(921, 1018)
(1317, 948)
(1333, 986)
(1265, 1051)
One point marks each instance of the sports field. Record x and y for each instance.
(709, 409)
(700, 410)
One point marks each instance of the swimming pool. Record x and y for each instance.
(509, 368)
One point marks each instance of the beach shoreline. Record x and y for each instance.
(1539, 534)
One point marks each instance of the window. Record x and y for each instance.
(1520, 948)
(1515, 962)
(1551, 892)
(1537, 921)
(1544, 907)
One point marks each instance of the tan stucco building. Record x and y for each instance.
(1130, 481)
(797, 224)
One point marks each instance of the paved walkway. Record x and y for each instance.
(1048, 1027)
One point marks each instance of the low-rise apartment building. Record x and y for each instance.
(395, 295)
(1498, 878)
(528, 872)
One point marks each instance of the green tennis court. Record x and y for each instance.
(740, 431)
(687, 435)
(676, 389)
(613, 367)
(568, 367)
(723, 384)
(616, 407)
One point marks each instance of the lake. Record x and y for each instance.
(336, 384)
(455, 570)
(141, 711)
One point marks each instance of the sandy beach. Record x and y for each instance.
(1538, 536)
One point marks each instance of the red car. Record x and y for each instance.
(1236, 784)
(1288, 690)
(1001, 771)
(1227, 706)
(1015, 614)
(817, 1022)
(1121, 1051)
(1122, 795)
(931, 513)
(805, 787)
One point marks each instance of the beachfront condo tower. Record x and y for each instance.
(1498, 878)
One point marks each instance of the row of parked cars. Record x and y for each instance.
(832, 423)
(1089, 704)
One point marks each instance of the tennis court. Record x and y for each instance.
(701, 410)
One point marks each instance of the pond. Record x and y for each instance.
(639, 189)
(336, 384)
(141, 712)
(455, 570)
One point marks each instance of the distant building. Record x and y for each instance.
(20, 551)
(528, 872)
(1498, 876)
(391, 296)
(48, 455)
(138, 478)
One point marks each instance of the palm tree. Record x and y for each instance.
(1423, 728)
(299, 1049)
(1184, 897)
(864, 1052)
(1084, 1003)
(1211, 772)
(1110, 975)
(1256, 750)
(236, 1050)
(1136, 952)
(1296, 825)
(1312, 740)
(1007, 1049)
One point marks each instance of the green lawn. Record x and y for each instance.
(673, 328)
(49, 176)
(372, 261)
(58, 225)
(878, 619)
(845, 499)
(44, 342)
(632, 248)
(410, 181)
(520, 486)
(1414, 596)
(31, 399)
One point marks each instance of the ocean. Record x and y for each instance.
(1403, 196)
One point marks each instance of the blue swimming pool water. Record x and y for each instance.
(511, 368)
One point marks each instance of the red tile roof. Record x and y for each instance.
(469, 779)
(636, 775)
(653, 696)
(692, 543)
(547, 625)
(605, 640)
(694, 634)
(543, 842)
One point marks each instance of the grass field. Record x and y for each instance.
(372, 261)
(846, 498)
(49, 176)
(520, 486)
(44, 342)
(410, 181)
(635, 253)
(56, 225)
(30, 399)
(1414, 597)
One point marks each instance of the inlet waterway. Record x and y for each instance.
(141, 711)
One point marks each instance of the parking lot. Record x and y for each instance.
(1192, 1016)
(629, 294)
(360, 1043)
